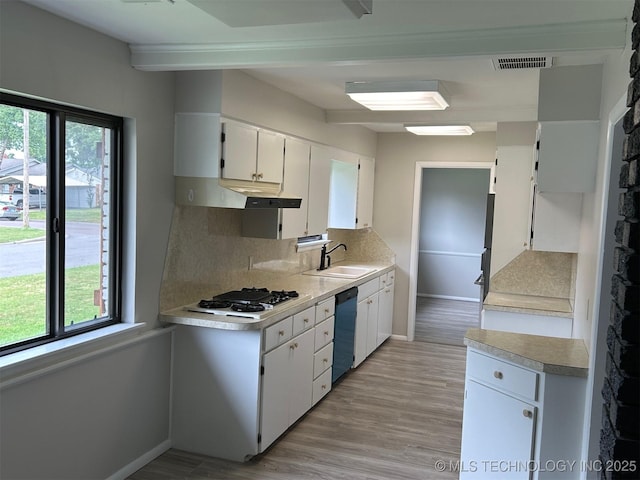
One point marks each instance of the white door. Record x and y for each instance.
(275, 394)
(270, 157)
(372, 322)
(296, 182)
(239, 151)
(497, 431)
(301, 375)
(365, 192)
(319, 183)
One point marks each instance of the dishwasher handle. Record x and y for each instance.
(479, 280)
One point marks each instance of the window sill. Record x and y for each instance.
(22, 365)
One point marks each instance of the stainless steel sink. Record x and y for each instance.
(342, 271)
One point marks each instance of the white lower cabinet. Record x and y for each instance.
(286, 385)
(366, 335)
(519, 423)
(385, 317)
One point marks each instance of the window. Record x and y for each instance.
(60, 244)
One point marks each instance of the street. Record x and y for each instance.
(82, 246)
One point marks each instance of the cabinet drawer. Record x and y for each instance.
(367, 289)
(502, 375)
(278, 333)
(324, 333)
(303, 320)
(322, 359)
(321, 386)
(387, 279)
(325, 309)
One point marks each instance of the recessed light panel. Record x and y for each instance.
(440, 129)
(409, 95)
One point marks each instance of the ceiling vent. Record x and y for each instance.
(519, 63)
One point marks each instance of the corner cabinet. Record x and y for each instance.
(516, 420)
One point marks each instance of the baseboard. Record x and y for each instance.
(141, 461)
(449, 297)
(400, 337)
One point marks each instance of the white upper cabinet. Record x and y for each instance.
(197, 145)
(296, 182)
(364, 214)
(319, 184)
(250, 153)
(567, 156)
(351, 194)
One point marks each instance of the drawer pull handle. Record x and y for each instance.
(324, 386)
(498, 374)
(326, 310)
(291, 347)
(306, 320)
(326, 332)
(527, 413)
(325, 360)
(281, 333)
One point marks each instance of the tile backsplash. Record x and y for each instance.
(207, 255)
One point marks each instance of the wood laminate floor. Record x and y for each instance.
(396, 417)
(444, 321)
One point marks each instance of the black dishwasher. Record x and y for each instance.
(344, 332)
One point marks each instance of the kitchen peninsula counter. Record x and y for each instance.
(559, 356)
(312, 289)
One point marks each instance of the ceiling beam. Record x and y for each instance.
(556, 38)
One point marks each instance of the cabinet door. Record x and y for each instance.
(270, 157)
(296, 182)
(343, 194)
(372, 322)
(385, 319)
(567, 158)
(319, 182)
(364, 213)
(497, 429)
(287, 386)
(556, 222)
(275, 393)
(239, 151)
(301, 375)
(360, 341)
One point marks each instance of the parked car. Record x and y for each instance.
(37, 198)
(8, 211)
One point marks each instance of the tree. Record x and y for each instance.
(12, 134)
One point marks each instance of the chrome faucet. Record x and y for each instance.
(324, 255)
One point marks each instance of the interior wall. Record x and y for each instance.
(246, 98)
(590, 324)
(452, 223)
(393, 194)
(89, 420)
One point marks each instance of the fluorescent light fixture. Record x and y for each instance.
(440, 129)
(399, 95)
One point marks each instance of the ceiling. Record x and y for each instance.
(310, 48)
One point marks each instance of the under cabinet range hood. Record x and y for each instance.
(217, 192)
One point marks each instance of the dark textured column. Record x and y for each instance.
(620, 433)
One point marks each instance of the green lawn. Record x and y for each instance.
(10, 234)
(91, 215)
(22, 302)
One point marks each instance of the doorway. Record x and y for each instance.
(447, 243)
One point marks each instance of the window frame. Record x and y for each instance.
(57, 116)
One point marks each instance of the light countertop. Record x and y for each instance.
(533, 304)
(559, 356)
(312, 289)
